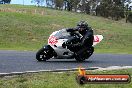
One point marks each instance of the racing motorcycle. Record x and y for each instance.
(57, 47)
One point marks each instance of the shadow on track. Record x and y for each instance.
(70, 61)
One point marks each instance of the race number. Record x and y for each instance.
(52, 40)
(96, 38)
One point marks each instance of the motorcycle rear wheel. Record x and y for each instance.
(84, 55)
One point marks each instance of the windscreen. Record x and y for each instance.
(62, 34)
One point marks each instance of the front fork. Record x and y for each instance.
(51, 51)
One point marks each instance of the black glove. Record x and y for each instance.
(70, 46)
(64, 45)
(71, 29)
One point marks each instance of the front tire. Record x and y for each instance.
(42, 55)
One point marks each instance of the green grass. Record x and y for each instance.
(58, 80)
(28, 28)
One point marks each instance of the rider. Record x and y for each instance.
(86, 41)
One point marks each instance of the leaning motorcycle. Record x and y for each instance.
(57, 47)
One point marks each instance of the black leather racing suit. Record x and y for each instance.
(85, 42)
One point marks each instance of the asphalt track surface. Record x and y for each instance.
(19, 61)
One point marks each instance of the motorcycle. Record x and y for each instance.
(57, 47)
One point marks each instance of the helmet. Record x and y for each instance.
(82, 24)
(82, 27)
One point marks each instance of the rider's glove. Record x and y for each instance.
(64, 45)
(71, 29)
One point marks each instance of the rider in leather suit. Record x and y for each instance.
(86, 41)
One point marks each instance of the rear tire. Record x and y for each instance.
(90, 52)
(79, 58)
(84, 55)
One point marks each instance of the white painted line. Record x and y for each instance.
(114, 68)
(63, 70)
(4, 73)
(45, 70)
(57, 70)
(31, 71)
(16, 72)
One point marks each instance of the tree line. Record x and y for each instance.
(5, 1)
(114, 9)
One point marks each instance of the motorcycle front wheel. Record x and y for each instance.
(42, 54)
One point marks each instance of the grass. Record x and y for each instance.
(28, 28)
(58, 80)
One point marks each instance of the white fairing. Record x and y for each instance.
(97, 39)
(56, 44)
